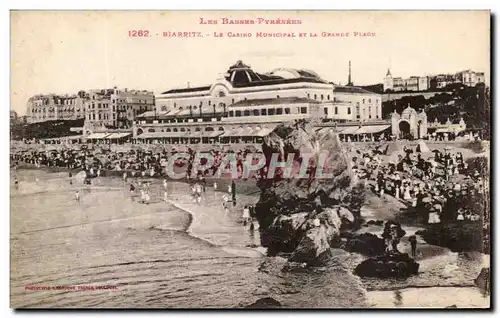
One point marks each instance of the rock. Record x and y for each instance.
(290, 208)
(483, 280)
(320, 235)
(458, 236)
(364, 243)
(388, 266)
(267, 302)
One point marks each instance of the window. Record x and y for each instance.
(175, 130)
(231, 113)
(308, 95)
(99, 116)
(93, 116)
(335, 99)
(369, 100)
(279, 111)
(256, 112)
(336, 110)
(303, 110)
(278, 96)
(151, 130)
(232, 101)
(246, 113)
(197, 129)
(326, 110)
(322, 97)
(201, 104)
(238, 113)
(168, 130)
(328, 97)
(183, 129)
(315, 96)
(348, 110)
(287, 110)
(270, 111)
(113, 107)
(263, 111)
(89, 117)
(209, 103)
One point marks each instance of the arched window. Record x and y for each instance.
(197, 129)
(315, 96)
(221, 128)
(168, 130)
(246, 113)
(151, 130)
(209, 129)
(175, 130)
(256, 112)
(183, 129)
(175, 105)
(322, 97)
(237, 113)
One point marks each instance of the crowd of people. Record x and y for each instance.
(440, 185)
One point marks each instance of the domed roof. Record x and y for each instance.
(294, 73)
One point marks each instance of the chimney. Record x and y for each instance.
(349, 81)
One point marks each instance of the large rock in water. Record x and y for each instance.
(388, 266)
(304, 216)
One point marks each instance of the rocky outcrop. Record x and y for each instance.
(393, 265)
(483, 280)
(364, 243)
(457, 236)
(304, 214)
(267, 302)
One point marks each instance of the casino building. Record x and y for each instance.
(243, 106)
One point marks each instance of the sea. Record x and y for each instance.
(107, 250)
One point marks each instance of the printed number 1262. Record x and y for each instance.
(138, 33)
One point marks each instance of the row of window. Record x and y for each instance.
(266, 112)
(322, 97)
(104, 116)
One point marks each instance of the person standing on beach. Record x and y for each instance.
(233, 191)
(77, 196)
(413, 243)
(16, 183)
(125, 176)
(246, 215)
(215, 186)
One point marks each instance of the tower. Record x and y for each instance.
(349, 79)
(388, 82)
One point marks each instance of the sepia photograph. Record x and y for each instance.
(250, 159)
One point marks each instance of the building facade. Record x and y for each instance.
(409, 124)
(115, 108)
(422, 83)
(55, 107)
(413, 83)
(100, 107)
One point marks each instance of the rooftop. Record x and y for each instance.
(352, 89)
(274, 101)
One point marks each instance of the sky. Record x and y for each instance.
(66, 51)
